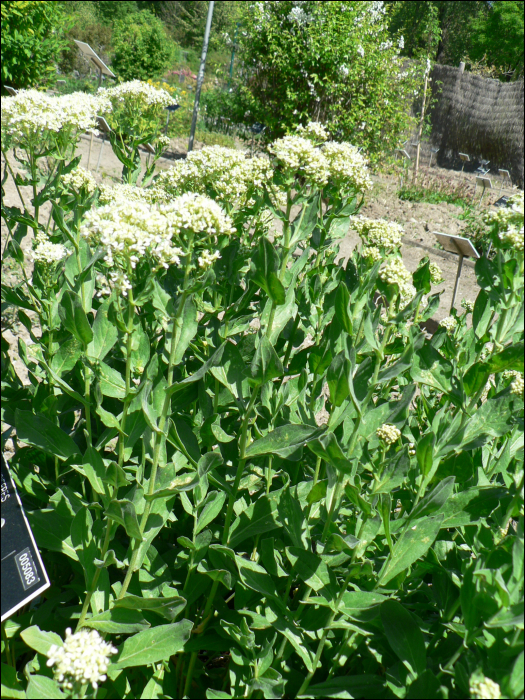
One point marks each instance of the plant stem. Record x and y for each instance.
(96, 577)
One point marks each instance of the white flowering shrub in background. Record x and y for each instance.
(249, 470)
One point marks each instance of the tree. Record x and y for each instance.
(32, 39)
(497, 38)
(331, 62)
(142, 49)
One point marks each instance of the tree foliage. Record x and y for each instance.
(142, 49)
(32, 38)
(354, 82)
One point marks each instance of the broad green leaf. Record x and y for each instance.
(361, 600)
(342, 305)
(213, 506)
(49, 528)
(254, 576)
(42, 687)
(431, 368)
(118, 620)
(123, 512)
(265, 264)
(39, 431)
(411, 546)
(369, 687)
(40, 641)
(476, 378)
(153, 645)
(261, 516)
(473, 504)
(188, 330)
(153, 689)
(11, 686)
(74, 317)
(214, 360)
(404, 636)
(266, 365)
(287, 441)
(94, 469)
(510, 358)
(435, 499)
(328, 448)
(309, 566)
(231, 371)
(111, 382)
(425, 453)
(516, 677)
(482, 314)
(421, 278)
(105, 334)
(66, 356)
(337, 378)
(513, 618)
(168, 607)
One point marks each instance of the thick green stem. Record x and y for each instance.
(96, 577)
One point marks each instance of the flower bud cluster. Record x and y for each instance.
(487, 350)
(83, 658)
(47, 252)
(467, 305)
(79, 180)
(298, 156)
(485, 689)
(347, 167)
(137, 92)
(314, 131)
(377, 232)
(151, 195)
(395, 272)
(508, 222)
(372, 254)
(436, 276)
(388, 433)
(206, 258)
(517, 386)
(449, 324)
(198, 214)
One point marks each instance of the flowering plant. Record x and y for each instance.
(249, 470)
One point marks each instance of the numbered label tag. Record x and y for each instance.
(23, 573)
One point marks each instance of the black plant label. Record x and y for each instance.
(23, 574)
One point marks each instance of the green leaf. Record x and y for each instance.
(11, 686)
(431, 368)
(421, 277)
(74, 317)
(123, 512)
(371, 687)
(327, 447)
(40, 641)
(434, 500)
(425, 686)
(411, 546)
(214, 360)
(66, 356)
(41, 687)
(118, 620)
(337, 379)
(287, 441)
(213, 506)
(39, 431)
(510, 358)
(265, 265)
(476, 378)
(425, 453)
(265, 364)
(48, 528)
(168, 607)
(261, 516)
(482, 314)
(153, 645)
(254, 576)
(188, 330)
(404, 636)
(94, 469)
(309, 566)
(111, 382)
(516, 678)
(472, 505)
(105, 334)
(231, 371)
(342, 306)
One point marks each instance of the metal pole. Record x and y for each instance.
(200, 76)
(89, 154)
(100, 152)
(458, 275)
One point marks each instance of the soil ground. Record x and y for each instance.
(419, 220)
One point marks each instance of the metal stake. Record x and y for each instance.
(458, 275)
(200, 76)
(89, 154)
(100, 152)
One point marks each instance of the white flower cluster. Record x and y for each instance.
(510, 374)
(485, 689)
(206, 258)
(298, 156)
(314, 131)
(377, 232)
(517, 386)
(372, 254)
(487, 350)
(449, 323)
(128, 230)
(31, 115)
(467, 305)
(347, 167)
(222, 172)
(361, 51)
(436, 276)
(198, 214)
(83, 658)
(344, 71)
(80, 179)
(47, 252)
(388, 433)
(509, 222)
(151, 195)
(137, 92)
(395, 272)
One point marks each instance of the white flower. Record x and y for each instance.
(401, 42)
(361, 51)
(449, 324)
(388, 433)
(137, 91)
(197, 214)
(372, 254)
(377, 232)
(206, 258)
(517, 386)
(436, 276)
(298, 156)
(80, 179)
(343, 71)
(395, 272)
(313, 131)
(83, 658)
(484, 689)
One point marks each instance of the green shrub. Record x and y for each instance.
(142, 49)
(32, 38)
(85, 27)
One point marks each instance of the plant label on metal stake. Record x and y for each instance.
(23, 573)
(460, 246)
